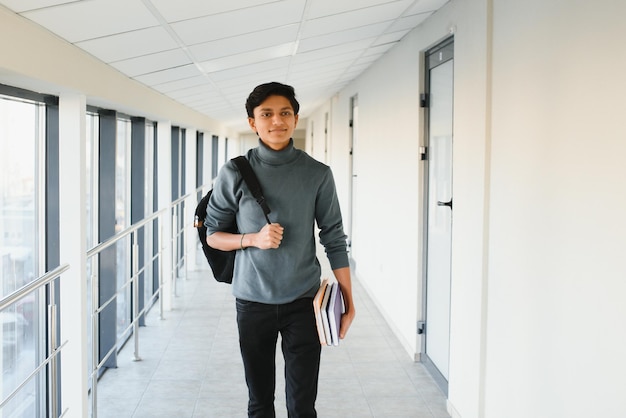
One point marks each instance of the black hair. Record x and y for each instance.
(263, 91)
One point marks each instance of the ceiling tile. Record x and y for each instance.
(378, 49)
(408, 22)
(152, 63)
(192, 92)
(390, 38)
(335, 50)
(244, 43)
(253, 19)
(261, 67)
(422, 6)
(356, 18)
(19, 6)
(174, 11)
(240, 60)
(82, 20)
(129, 44)
(321, 8)
(336, 38)
(323, 57)
(170, 74)
(184, 83)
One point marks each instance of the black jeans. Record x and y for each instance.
(259, 325)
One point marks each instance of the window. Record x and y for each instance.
(122, 221)
(214, 151)
(92, 127)
(22, 169)
(149, 285)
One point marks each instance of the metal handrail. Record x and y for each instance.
(134, 227)
(133, 282)
(54, 349)
(13, 297)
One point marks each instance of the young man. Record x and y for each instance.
(276, 269)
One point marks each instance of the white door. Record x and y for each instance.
(439, 211)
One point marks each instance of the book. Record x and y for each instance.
(324, 314)
(317, 307)
(334, 311)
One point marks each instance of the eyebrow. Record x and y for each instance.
(264, 109)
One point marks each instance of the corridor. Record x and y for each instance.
(190, 366)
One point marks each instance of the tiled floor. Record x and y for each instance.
(190, 366)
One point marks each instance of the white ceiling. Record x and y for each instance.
(209, 54)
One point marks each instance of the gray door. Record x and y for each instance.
(439, 102)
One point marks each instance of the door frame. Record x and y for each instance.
(442, 52)
(354, 112)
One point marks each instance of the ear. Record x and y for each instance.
(252, 125)
(296, 121)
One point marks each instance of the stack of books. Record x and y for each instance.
(328, 306)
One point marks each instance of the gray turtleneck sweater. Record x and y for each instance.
(300, 191)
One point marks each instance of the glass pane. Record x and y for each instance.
(92, 127)
(148, 233)
(122, 221)
(19, 129)
(21, 137)
(439, 215)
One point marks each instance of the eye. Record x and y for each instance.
(286, 113)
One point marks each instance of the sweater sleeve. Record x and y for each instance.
(224, 202)
(329, 221)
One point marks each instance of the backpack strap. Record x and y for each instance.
(253, 183)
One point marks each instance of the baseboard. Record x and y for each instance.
(452, 410)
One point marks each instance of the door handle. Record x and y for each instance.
(449, 204)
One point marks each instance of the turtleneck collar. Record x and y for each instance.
(270, 156)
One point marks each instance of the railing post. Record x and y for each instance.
(95, 331)
(161, 282)
(174, 251)
(52, 347)
(186, 246)
(135, 282)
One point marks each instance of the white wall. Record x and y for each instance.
(538, 275)
(557, 277)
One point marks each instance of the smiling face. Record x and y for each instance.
(274, 121)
